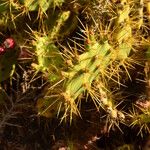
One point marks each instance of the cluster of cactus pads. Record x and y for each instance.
(87, 52)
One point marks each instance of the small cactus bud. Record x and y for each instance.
(9, 43)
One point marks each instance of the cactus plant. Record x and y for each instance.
(49, 57)
(84, 60)
(93, 62)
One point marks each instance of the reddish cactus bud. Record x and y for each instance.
(9, 43)
(2, 50)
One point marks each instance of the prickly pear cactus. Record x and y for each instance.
(83, 57)
(91, 65)
(48, 54)
(49, 58)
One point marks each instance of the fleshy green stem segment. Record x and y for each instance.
(96, 59)
(48, 55)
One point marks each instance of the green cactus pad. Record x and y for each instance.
(96, 58)
(49, 58)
